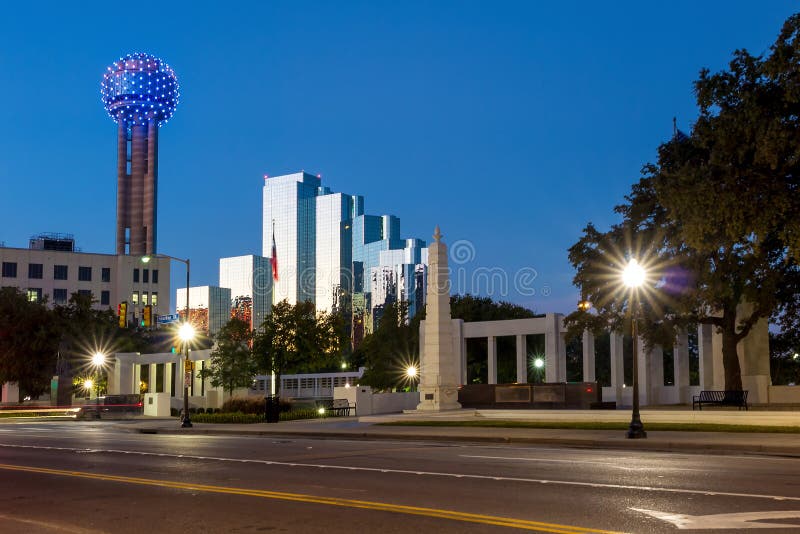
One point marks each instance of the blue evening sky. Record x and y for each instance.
(510, 124)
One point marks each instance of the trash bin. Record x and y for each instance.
(272, 408)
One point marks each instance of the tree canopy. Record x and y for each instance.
(296, 339)
(232, 364)
(713, 218)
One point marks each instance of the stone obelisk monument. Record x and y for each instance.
(439, 367)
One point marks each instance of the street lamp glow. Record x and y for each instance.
(88, 384)
(186, 332)
(634, 274)
(98, 359)
(145, 259)
(538, 363)
(411, 371)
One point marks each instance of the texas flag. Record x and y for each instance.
(274, 259)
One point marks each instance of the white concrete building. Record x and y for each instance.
(56, 274)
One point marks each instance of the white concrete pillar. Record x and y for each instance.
(120, 378)
(617, 365)
(706, 354)
(522, 364)
(588, 357)
(651, 364)
(562, 358)
(551, 350)
(491, 360)
(10, 392)
(753, 353)
(680, 359)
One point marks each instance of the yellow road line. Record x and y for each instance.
(332, 501)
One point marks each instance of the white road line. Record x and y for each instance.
(614, 465)
(412, 472)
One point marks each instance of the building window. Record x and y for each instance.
(85, 274)
(35, 294)
(105, 298)
(135, 297)
(144, 297)
(59, 296)
(105, 274)
(154, 299)
(136, 276)
(146, 276)
(155, 276)
(35, 271)
(60, 272)
(9, 269)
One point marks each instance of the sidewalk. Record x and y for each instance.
(367, 428)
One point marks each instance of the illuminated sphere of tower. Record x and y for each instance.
(140, 87)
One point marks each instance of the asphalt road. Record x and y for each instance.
(88, 477)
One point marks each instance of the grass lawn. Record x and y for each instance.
(588, 425)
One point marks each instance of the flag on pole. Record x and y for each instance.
(274, 259)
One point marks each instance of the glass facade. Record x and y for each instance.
(249, 279)
(327, 250)
(289, 210)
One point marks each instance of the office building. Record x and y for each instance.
(209, 307)
(249, 279)
(52, 269)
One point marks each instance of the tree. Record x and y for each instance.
(82, 330)
(232, 364)
(390, 349)
(294, 338)
(28, 342)
(712, 215)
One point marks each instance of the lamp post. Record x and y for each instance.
(412, 373)
(186, 333)
(633, 277)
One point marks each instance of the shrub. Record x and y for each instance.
(230, 418)
(174, 412)
(246, 405)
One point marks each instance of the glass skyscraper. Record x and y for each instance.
(327, 249)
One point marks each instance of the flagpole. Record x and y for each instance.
(273, 269)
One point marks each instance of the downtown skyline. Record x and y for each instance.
(511, 129)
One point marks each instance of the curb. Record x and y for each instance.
(654, 445)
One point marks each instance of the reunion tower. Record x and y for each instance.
(140, 92)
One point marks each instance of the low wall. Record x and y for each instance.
(783, 394)
(369, 403)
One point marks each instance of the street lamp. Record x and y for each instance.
(633, 276)
(185, 330)
(186, 333)
(411, 373)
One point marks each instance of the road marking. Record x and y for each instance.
(522, 524)
(736, 521)
(55, 527)
(594, 462)
(599, 485)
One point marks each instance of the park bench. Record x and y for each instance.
(721, 398)
(336, 407)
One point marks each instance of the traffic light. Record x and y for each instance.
(122, 312)
(147, 320)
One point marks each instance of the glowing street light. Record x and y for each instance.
(186, 334)
(538, 363)
(633, 276)
(411, 372)
(98, 359)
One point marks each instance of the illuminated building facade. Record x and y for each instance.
(210, 307)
